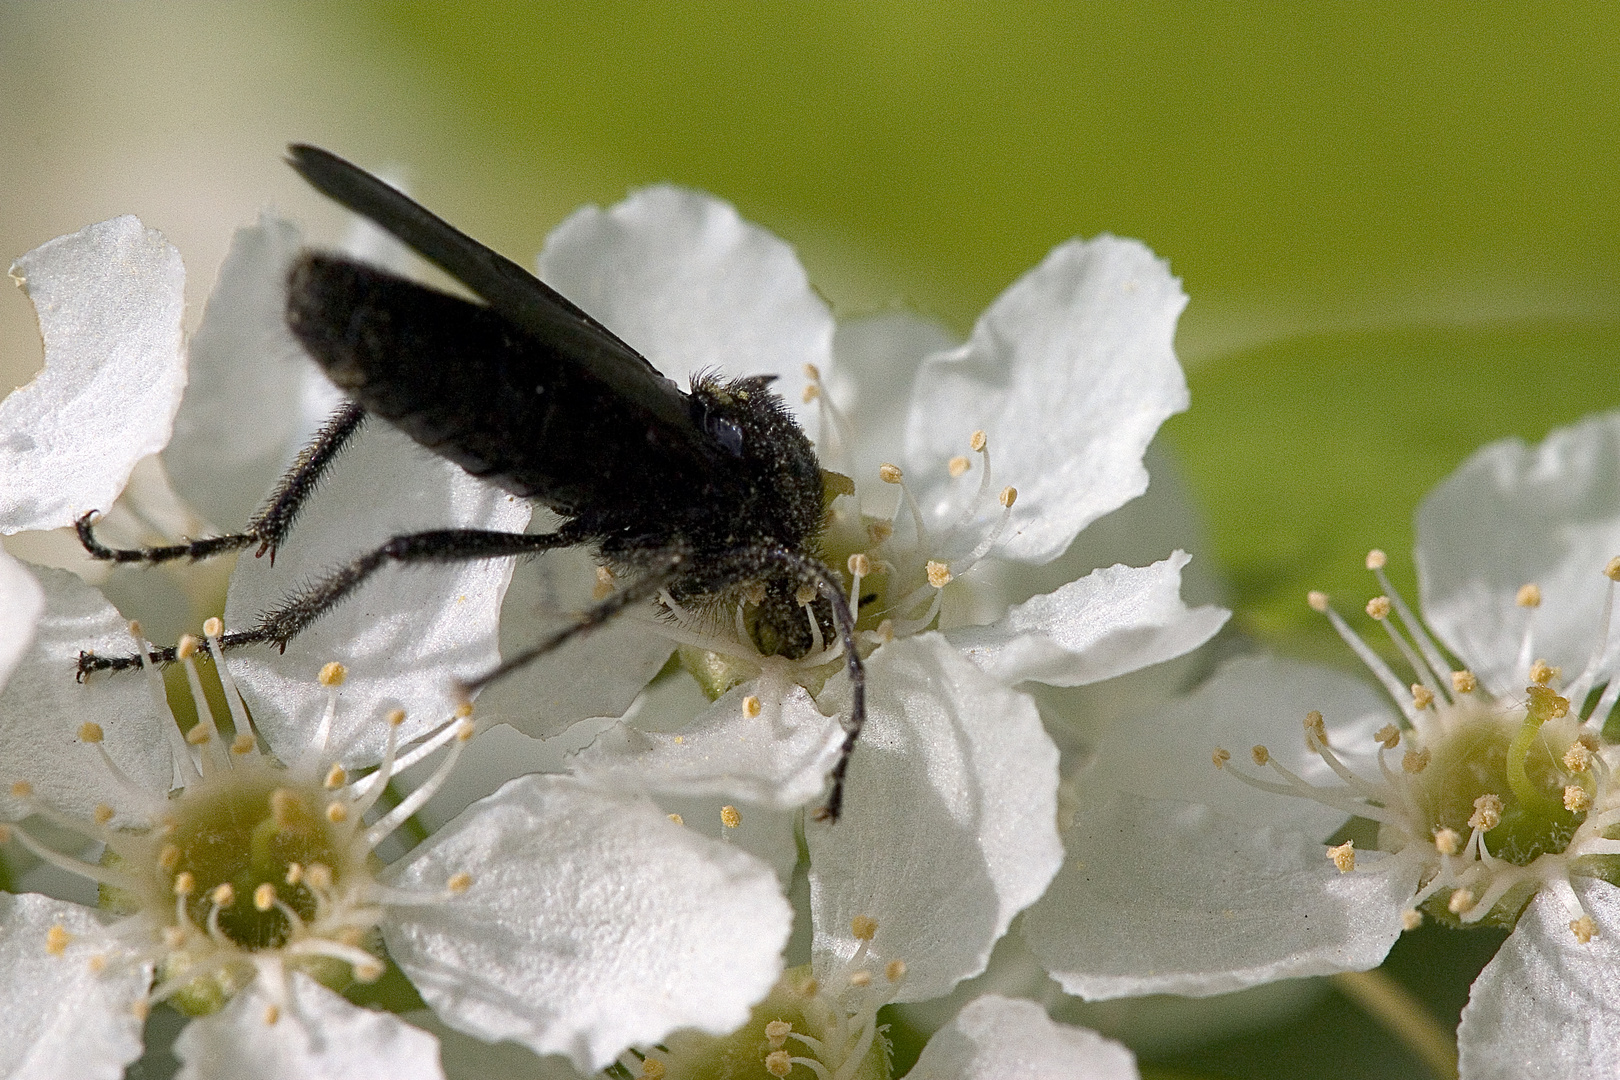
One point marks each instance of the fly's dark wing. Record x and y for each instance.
(531, 304)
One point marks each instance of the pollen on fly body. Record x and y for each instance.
(706, 498)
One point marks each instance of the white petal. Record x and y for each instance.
(21, 603)
(1165, 752)
(682, 278)
(598, 674)
(1513, 515)
(406, 634)
(779, 758)
(254, 397)
(109, 299)
(1547, 1005)
(42, 707)
(997, 1038)
(1070, 373)
(875, 361)
(1112, 621)
(592, 924)
(949, 825)
(316, 1036)
(63, 1021)
(1168, 898)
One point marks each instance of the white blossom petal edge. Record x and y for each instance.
(998, 1038)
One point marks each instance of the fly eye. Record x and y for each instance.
(728, 433)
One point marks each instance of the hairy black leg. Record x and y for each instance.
(269, 527)
(281, 624)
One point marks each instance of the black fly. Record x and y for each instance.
(708, 496)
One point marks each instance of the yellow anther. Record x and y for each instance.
(199, 735)
(730, 817)
(863, 927)
(958, 465)
(776, 1033)
(395, 717)
(1487, 813)
(1317, 600)
(264, 897)
(1577, 799)
(804, 594)
(1545, 704)
(879, 531)
(335, 777)
(368, 972)
(1376, 559)
(677, 819)
(464, 710)
(337, 812)
(778, 1063)
(1388, 736)
(651, 1067)
(1411, 919)
(333, 674)
(242, 744)
(860, 978)
(103, 813)
(1528, 596)
(1447, 841)
(1260, 755)
(1584, 929)
(1343, 856)
(1220, 757)
(318, 876)
(894, 970)
(459, 883)
(890, 474)
(57, 939)
(135, 629)
(223, 895)
(1464, 682)
(212, 627)
(1378, 607)
(811, 392)
(22, 789)
(809, 988)
(1008, 496)
(978, 441)
(272, 1013)
(1461, 900)
(295, 874)
(1577, 758)
(1315, 728)
(168, 856)
(467, 730)
(939, 574)
(812, 373)
(90, 732)
(860, 564)
(1415, 761)
(186, 647)
(1422, 696)
(1611, 569)
(1542, 673)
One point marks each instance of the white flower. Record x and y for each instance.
(1489, 781)
(997, 1038)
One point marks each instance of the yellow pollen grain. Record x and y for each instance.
(103, 813)
(199, 735)
(56, 940)
(1584, 929)
(778, 1063)
(890, 474)
(212, 627)
(1611, 569)
(1577, 799)
(1577, 758)
(1542, 673)
(939, 574)
(337, 812)
(272, 1013)
(730, 817)
(894, 970)
(242, 744)
(1376, 559)
(863, 927)
(1316, 727)
(958, 466)
(1447, 841)
(1460, 901)
(1464, 682)
(295, 874)
(677, 819)
(879, 531)
(1260, 755)
(1487, 813)
(1528, 596)
(335, 777)
(459, 883)
(860, 564)
(22, 789)
(1378, 607)
(1343, 856)
(1388, 736)
(264, 897)
(978, 441)
(1220, 757)
(651, 1067)
(333, 674)
(1008, 496)
(168, 856)
(90, 732)
(776, 1033)
(186, 647)
(1411, 919)
(1422, 696)
(860, 978)
(319, 876)
(1415, 761)
(1317, 600)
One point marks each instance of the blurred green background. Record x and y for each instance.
(1398, 224)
